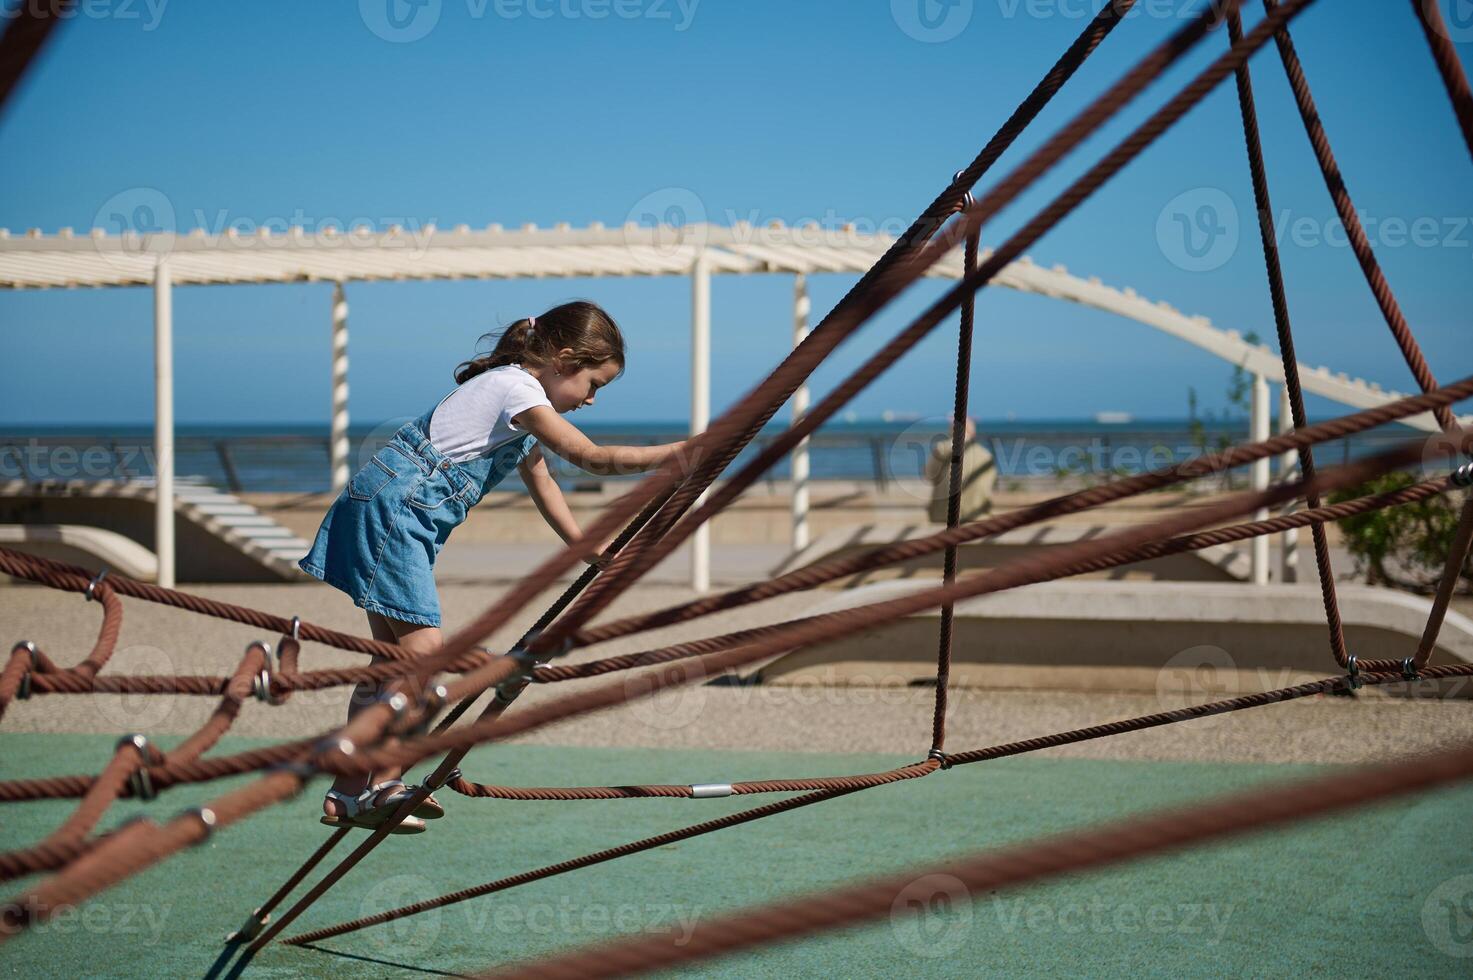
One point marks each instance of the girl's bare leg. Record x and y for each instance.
(420, 639)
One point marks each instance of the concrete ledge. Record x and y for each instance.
(1217, 563)
(1128, 636)
(93, 548)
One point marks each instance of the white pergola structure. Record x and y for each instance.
(68, 261)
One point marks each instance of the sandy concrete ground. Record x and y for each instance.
(157, 639)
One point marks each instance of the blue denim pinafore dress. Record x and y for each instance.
(379, 539)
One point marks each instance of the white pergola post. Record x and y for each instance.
(700, 402)
(1258, 423)
(163, 421)
(339, 450)
(799, 459)
(1289, 542)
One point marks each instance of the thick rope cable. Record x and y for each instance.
(982, 874)
(1355, 232)
(59, 575)
(1449, 65)
(954, 491)
(973, 219)
(1267, 235)
(835, 568)
(947, 203)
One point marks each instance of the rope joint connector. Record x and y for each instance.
(940, 757)
(967, 201)
(23, 692)
(254, 923)
(1352, 673)
(206, 818)
(710, 791)
(92, 585)
(1409, 669)
(1462, 476)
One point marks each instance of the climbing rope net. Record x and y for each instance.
(413, 721)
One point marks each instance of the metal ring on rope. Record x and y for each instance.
(23, 693)
(96, 581)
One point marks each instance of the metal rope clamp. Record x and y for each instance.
(261, 683)
(434, 700)
(1462, 476)
(1409, 669)
(254, 923)
(139, 780)
(297, 628)
(940, 757)
(23, 692)
(206, 818)
(92, 585)
(967, 201)
(1352, 673)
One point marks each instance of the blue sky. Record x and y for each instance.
(516, 111)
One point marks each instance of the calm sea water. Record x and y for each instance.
(294, 458)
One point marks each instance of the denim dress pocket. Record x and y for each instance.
(373, 476)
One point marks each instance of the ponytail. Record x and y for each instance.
(583, 328)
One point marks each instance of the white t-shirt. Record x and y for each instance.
(476, 417)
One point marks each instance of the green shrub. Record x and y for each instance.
(1404, 546)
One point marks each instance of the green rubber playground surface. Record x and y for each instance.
(1383, 891)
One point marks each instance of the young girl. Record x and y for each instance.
(379, 540)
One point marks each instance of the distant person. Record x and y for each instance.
(379, 540)
(979, 476)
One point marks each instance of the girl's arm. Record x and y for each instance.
(548, 496)
(563, 438)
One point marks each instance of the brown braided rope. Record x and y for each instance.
(849, 785)
(838, 322)
(677, 791)
(1177, 545)
(982, 874)
(1051, 563)
(888, 282)
(1258, 174)
(835, 568)
(1355, 232)
(954, 491)
(1449, 65)
(73, 578)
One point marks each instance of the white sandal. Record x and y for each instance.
(428, 808)
(363, 812)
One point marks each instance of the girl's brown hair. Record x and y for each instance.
(584, 328)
